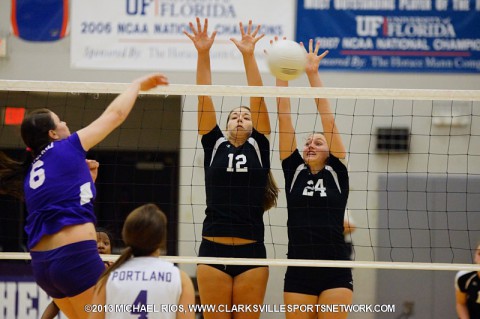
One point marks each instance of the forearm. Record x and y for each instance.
(204, 77)
(206, 109)
(254, 77)
(204, 72)
(328, 119)
(323, 106)
(258, 107)
(287, 140)
(123, 104)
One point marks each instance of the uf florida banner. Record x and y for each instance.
(394, 35)
(148, 34)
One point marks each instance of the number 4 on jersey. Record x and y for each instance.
(140, 305)
(310, 190)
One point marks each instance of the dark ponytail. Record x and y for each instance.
(126, 255)
(35, 134)
(12, 175)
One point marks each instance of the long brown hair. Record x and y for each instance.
(271, 188)
(271, 192)
(144, 231)
(12, 174)
(34, 130)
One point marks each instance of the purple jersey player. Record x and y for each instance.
(58, 190)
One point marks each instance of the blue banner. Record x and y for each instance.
(394, 35)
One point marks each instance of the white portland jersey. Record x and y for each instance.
(150, 285)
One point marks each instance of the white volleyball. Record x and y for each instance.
(286, 59)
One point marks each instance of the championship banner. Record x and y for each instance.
(148, 34)
(394, 35)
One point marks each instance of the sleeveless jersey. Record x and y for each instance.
(45, 20)
(146, 283)
(59, 190)
(235, 181)
(469, 283)
(316, 207)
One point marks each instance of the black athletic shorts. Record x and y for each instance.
(314, 280)
(211, 249)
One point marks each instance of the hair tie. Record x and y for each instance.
(28, 149)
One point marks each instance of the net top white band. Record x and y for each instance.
(247, 91)
(289, 262)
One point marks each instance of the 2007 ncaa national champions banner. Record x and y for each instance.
(394, 35)
(148, 34)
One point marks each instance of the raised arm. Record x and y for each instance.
(116, 113)
(203, 43)
(330, 131)
(287, 139)
(246, 45)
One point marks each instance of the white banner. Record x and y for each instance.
(148, 34)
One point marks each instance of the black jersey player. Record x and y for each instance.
(316, 186)
(238, 183)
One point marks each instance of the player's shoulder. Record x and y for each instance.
(462, 277)
(293, 160)
(461, 274)
(259, 138)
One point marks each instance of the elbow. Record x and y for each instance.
(120, 116)
(115, 118)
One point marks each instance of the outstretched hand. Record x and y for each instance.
(150, 81)
(199, 36)
(313, 59)
(274, 40)
(249, 39)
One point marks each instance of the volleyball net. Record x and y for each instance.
(413, 160)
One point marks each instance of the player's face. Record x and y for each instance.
(61, 127)
(240, 122)
(315, 150)
(477, 255)
(103, 243)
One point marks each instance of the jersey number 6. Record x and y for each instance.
(37, 175)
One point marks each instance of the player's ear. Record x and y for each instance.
(53, 135)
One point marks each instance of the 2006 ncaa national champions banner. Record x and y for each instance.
(394, 35)
(148, 34)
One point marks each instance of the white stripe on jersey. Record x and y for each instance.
(327, 167)
(335, 176)
(254, 143)
(297, 171)
(467, 283)
(250, 140)
(217, 145)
